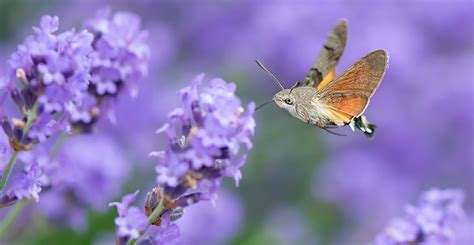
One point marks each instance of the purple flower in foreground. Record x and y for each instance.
(132, 220)
(205, 134)
(27, 184)
(166, 233)
(204, 139)
(432, 221)
(54, 70)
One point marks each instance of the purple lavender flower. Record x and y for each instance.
(132, 220)
(54, 70)
(205, 136)
(206, 133)
(432, 221)
(119, 60)
(204, 140)
(27, 184)
(121, 53)
(166, 233)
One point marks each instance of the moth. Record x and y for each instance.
(326, 101)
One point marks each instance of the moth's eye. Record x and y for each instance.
(289, 101)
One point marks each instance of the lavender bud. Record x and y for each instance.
(196, 113)
(186, 128)
(176, 213)
(21, 75)
(17, 98)
(174, 192)
(153, 198)
(26, 140)
(190, 199)
(7, 200)
(18, 133)
(28, 97)
(7, 127)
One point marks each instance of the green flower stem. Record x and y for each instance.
(8, 169)
(31, 116)
(8, 221)
(151, 218)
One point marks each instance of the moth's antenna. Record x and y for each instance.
(298, 84)
(269, 73)
(264, 104)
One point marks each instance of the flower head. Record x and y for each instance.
(27, 184)
(131, 220)
(54, 70)
(119, 60)
(166, 233)
(432, 221)
(204, 143)
(206, 133)
(121, 53)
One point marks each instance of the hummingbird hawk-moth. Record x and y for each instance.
(327, 101)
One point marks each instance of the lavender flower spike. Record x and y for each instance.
(119, 61)
(54, 71)
(27, 184)
(432, 221)
(121, 52)
(132, 221)
(205, 136)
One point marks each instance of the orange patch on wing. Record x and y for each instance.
(352, 105)
(338, 117)
(342, 110)
(329, 77)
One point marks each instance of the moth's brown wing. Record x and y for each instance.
(323, 71)
(350, 93)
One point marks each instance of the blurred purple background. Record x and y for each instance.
(339, 190)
